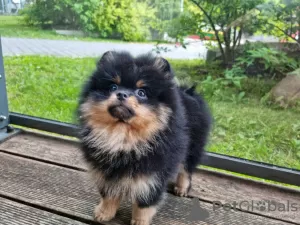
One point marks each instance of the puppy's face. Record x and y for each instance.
(129, 95)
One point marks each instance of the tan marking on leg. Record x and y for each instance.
(107, 209)
(182, 183)
(142, 216)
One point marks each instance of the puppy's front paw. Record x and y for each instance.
(140, 222)
(181, 191)
(103, 214)
(142, 216)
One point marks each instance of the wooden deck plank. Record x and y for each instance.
(70, 192)
(18, 214)
(212, 187)
(44, 147)
(206, 186)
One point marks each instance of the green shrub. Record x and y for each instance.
(257, 87)
(181, 26)
(124, 19)
(127, 19)
(259, 60)
(224, 88)
(67, 13)
(85, 10)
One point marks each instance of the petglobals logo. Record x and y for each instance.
(262, 206)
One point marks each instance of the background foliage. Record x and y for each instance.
(65, 13)
(126, 19)
(281, 18)
(243, 126)
(237, 84)
(123, 19)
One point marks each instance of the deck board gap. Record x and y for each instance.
(42, 160)
(50, 210)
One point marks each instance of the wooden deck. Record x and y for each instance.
(43, 181)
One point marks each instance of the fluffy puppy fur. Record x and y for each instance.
(138, 129)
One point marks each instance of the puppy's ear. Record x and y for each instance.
(163, 65)
(107, 57)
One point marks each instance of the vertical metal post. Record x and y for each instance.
(3, 95)
(2, 6)
(5, 130)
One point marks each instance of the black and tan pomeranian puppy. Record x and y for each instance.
(138, 129)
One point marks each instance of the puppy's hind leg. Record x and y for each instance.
(183, 182)
(186, 169)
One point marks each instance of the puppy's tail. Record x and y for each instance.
(191, 90)
(186, 86)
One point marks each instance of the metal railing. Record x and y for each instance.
(229, 163)
(3, 94)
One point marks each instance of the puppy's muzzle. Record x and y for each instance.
(121, 112)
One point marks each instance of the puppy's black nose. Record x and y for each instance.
(122, 95)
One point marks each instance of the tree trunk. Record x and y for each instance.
(228, 58)
(298, 31)
(220, 46)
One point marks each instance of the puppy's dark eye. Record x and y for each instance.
(113, 87)
(141, 93)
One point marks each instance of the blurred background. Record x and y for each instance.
(244, 55)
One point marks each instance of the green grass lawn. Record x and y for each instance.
(13, 26)
(49, 87)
